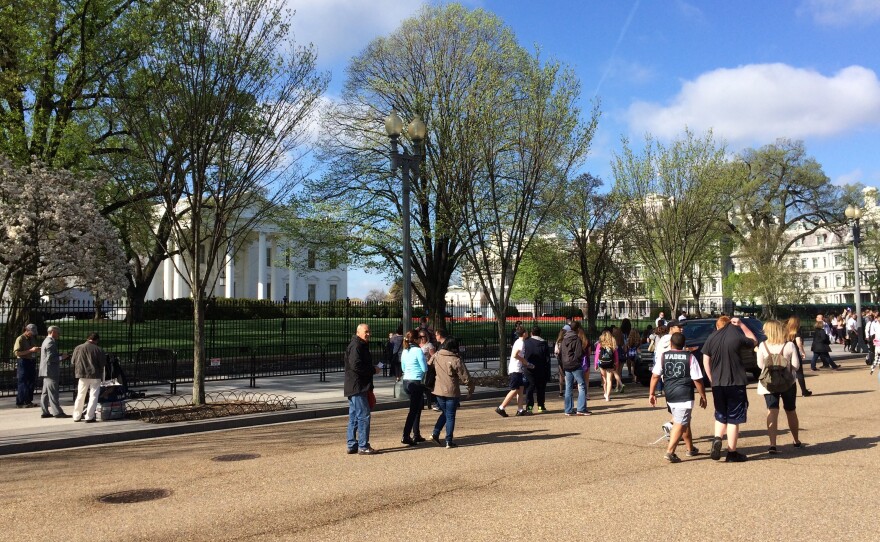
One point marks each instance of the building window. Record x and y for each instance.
(269, 256)
(799, 242)
(313, 292)
(268, 290)
(815, 263)
(803, 263)
(816, 282)
(820, 239)
(332, 292)
(287, 258)
(838, 260)
(311, 258)
(838, 281)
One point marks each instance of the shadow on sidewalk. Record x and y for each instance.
(502, 437)
(849, 392)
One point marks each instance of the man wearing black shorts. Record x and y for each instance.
(723, 364)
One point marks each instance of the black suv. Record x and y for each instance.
(695, 334)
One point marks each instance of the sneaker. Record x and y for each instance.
(542, 409)
(585, 413)
(368, 451)
(349, 451)
(46, 415)
(529, 409)
(569, 413)
(693, 452)
(451, 445)
(62, 415)
(419, 439)
(523, 413)
(667, 429)
(672, 458)
(90, 421)
(500, 412)
(435, 408)
(716, 449)
(436, 439)
(735, 457)
(807, 393)
(772, 450)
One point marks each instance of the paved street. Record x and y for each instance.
(542, 477)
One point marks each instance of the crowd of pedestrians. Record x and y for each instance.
(677, 375)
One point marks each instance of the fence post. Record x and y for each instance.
(323, 373)
(253, 369)
(173, 372)
(485, 359)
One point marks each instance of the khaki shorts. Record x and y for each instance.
(681, 416)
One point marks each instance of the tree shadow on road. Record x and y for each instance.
(850, 392)
(502, 437)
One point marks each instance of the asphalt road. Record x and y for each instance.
(543, 477)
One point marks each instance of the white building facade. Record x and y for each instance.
(265, 266)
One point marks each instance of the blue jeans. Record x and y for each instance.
(358, 421)
(448, 406)
(570, 377)
(26, 373)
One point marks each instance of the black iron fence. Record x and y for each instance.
(250, 339)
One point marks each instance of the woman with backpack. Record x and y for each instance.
(778, 361)
(606, 359)
(632, 351)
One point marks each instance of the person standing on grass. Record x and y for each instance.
(822, 346)
(359, 372)
(412, 361)
(571, 357)
(89, 361)
(515, 368)
(452, 373)
(778, 351)
(537, 353)
(50, 370)
(681, 373)
(727, 374)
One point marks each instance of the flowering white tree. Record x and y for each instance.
(53, 238)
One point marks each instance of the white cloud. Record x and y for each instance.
(340, 29)
(841, 12)
(760, 102)
(852, 177)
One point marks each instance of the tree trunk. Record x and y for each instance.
(501, 320)
(198, 390)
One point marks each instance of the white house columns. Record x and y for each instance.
(261, 266)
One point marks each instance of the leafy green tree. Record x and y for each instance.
(228, 101)
(596, 239)
(675, 199)
(544, 274)
(785, 198)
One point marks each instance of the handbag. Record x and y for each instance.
(430, 377)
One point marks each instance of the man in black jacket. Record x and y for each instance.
(359, 371)
(571, 354)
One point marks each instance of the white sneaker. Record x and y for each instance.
(667, 429)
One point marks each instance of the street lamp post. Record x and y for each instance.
(854, 214)
(406, 161)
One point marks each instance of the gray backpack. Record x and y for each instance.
(776, 377)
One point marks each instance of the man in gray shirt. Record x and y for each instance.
(88, 364)
(50, 370)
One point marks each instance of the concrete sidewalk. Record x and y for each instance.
(22, 430)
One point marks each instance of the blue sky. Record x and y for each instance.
(751, 70)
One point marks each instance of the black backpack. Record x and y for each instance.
(606, 358)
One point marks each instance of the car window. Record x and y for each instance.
(698, 332)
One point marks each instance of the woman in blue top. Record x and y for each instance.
(412, 361)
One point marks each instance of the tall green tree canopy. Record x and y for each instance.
(675, 198)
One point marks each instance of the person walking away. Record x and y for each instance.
(681, 373)
(359, 372)
(632, 351)
(412, 361)
(777, 355)
(571, 353)
(664, 343)
(515, 368)
(821, 347)
(25, 350)
(606, 359)
(50, 370)
(724, 366)
(89, 361)
(537, 353)
(451, 375)
(619, 335)
(793, 334)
